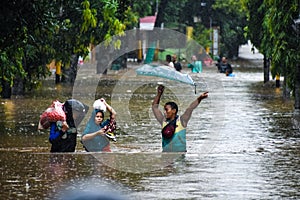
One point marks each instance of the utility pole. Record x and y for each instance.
(203, 4)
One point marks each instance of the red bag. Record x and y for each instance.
(52, 114)
(169, 130)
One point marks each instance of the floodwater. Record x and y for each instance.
(242, 142)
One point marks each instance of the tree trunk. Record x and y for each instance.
(266, 69)
(69, 74)
(6, 90)
(297, 89)
(286, 90)
(18, 87)
(160, 15)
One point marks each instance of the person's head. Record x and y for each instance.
(194, 58)
(224, 59)
(174, 58)
(99, 116)
(168, 58)
(170, 110)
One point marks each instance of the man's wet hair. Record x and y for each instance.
(173, 105)
(169, 58)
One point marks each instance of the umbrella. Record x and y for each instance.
(165, 72)
(72, 105)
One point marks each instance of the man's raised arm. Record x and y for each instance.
(157, 113)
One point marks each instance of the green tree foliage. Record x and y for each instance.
(231, 17)
(144, 8)
(255, 29)
(272, 28)
(18, 46)
(170, 13)
(35, 32)
(202, 35)
(256, 10)
(279, 20)
(284, 41)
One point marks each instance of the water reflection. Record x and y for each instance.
(243, 143)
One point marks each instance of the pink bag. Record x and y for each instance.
(52, 114)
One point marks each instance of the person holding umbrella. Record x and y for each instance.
(173, 126)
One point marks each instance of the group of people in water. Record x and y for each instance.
(196, 65)
(99, 132)
(173, 62)
(96, 135)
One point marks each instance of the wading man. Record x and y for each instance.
(173, 126)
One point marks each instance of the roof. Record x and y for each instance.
(148, 19)
(147, 23)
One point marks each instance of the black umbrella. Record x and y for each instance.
(71, 106)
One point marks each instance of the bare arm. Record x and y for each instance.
(188, 112)
(157, 113)
(110, 109)
(90, 136)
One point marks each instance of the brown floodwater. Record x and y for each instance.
(242, 141)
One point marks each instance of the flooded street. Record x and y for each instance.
(242, 141)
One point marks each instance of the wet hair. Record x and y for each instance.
(173, 105)
(168, 58)
(69, 113)
(101, 111)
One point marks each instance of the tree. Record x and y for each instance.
(231, 17)
(275, 36)
(144, 7)
(279, 19)
(170, 13)
(202, 35)
(255, 31)
(35, 32)
(297, 68)
(17, 20)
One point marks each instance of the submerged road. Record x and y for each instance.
(242, 143)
